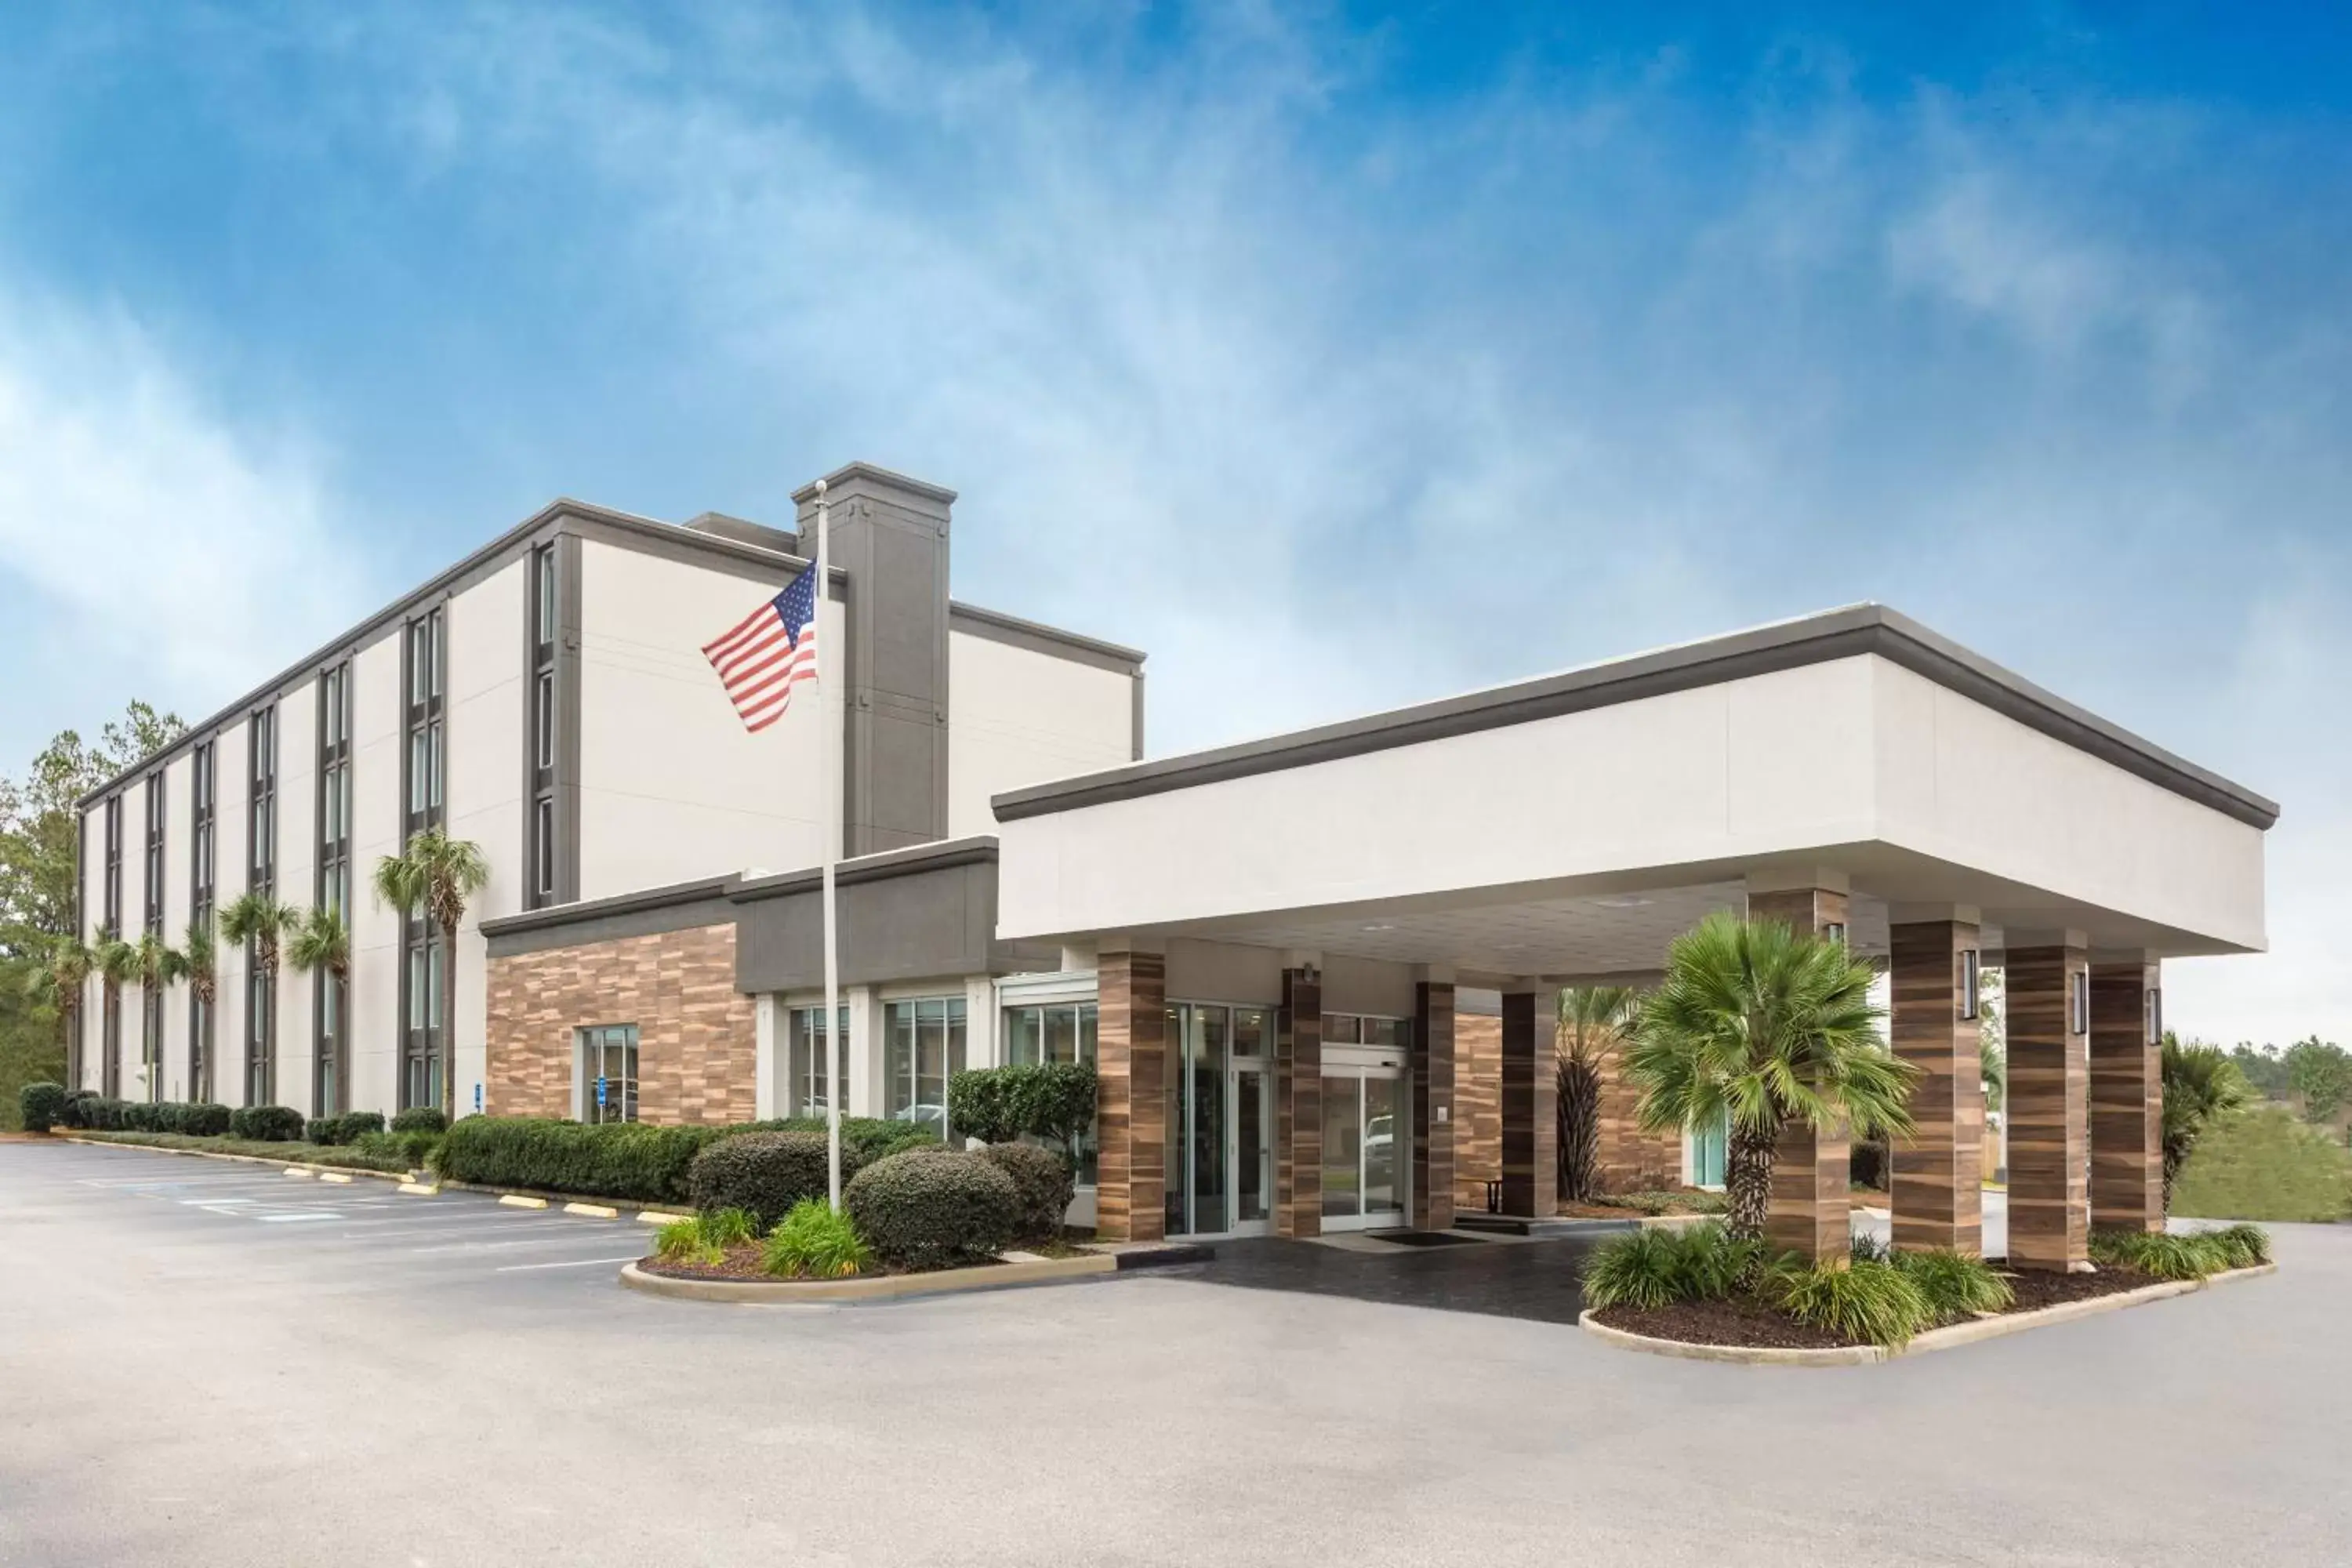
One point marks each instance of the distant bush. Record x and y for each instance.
(206, 1120)
(343, 1131)
(933, 1208)
(412, 1149)
(814, 1242)
(2182, 1255)
(1044, 1184)
(420, 1118)
(266, 1123)
(101, 1113)
(41, 1106)
(2265, 1164)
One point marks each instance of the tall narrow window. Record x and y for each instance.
(110, 1034)
(330, 997)
(151, 995)
(204, 792)
(261, 876)
(925, 1047)
(424, 686)
(544, 721)
(608, 1073)
(809, 1082)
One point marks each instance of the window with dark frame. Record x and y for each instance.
(425, 687)
(260, 877)
(608, 1073)
(150, 997)
(330, 992)
(544, 720)
(807, 1082)
(110, 1032)
(203, 799)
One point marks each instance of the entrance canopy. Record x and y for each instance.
(1569, 827)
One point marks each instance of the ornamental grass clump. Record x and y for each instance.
(2247, 1245)
(1954, 1286)
(705, 1237)
(2192, 1255)
(1655, 1267)
(815, 1242)
(1868, 1303)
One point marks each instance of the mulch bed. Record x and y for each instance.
(742, 1261)
(1745, 1321)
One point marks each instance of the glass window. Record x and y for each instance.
(543, 830)
(924, 1048)
(806, 1083)
(608, 1073)
(545, 561)
(1059, 1032)
(546, 718)
(1342, 1029)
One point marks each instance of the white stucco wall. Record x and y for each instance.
(179, 843)
(376, 726)
(232, 767)
(298, 861)
(1852, 751)
(671, 787)
(1019, 717)
(488, 714)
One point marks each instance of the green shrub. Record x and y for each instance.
(815, 1242)
(412, 1149)
(266, 1124)
(2265, 1164)
(41, 1106)
(1656, 1267)
(2246, 1246)
(1045, 1183)
(1055, 1101)
(932, 1209)
(343, 1131)
(764, 1174)
(705, 1237)
(1867, 1302)
(628, 1159)
(2163, 1256)
(204, 1120)
(420, 1118)
(980, 1105)
(1953, 1286)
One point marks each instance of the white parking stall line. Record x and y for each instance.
(503, 1246)
(298, 1216)
(568, 1263)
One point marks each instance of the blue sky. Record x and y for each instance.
(1337, 356)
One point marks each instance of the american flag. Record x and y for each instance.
(773, 650)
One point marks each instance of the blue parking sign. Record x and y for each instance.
(600, 1092)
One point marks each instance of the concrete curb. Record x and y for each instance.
(870, 1288)
(291, 1167)
(1949, 1338)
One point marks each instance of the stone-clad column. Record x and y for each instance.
(1810, 1170)
(2127, 1097)
(1432, 1105)
(1131, 1104)
(1530, 1092)
(1938, 1178)
(2047, 990)
(1298, 1104)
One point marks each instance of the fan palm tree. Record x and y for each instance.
(115, 961)
(203, 963)
(322, 942)
(2200, 1084)
(159, 963)
(1591, 1019)
(1763, 1028)
(438, 874)
(260, 920)
(56, 982)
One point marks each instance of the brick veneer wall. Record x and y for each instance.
(695, 1038)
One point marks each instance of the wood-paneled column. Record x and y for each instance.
(1812, 1170)
(1298, 1105)
(1938, 1178)
(1432, 1105)
(2127, 1097)
(1530, 1092)
(1132, 1103)
(2047, 998)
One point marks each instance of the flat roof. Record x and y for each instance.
(1866, 629)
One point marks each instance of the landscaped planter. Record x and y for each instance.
(995, 1276)
(2130, 1292)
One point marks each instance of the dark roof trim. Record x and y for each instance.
(998, 627)
(559, 516)
(1787, 645)
(673, 895)
(889, 863)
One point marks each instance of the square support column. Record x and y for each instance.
(1938, 1178)
(1530, 1093)
(1432, 1105)
(2047, 986)
(1298, 1105)
(2127, 1097)
(1131, 1107)
(1812, 1170)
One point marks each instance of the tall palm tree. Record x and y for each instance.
(2200, 1084)
(1763, 1027)
(1591, 1019)
(321, 943)
(159, 963)
(57, 982)
(438, 875)
(203, 962)
(259, 918)
(115, 961)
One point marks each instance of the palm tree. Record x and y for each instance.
(437, 875)
(57, 982)
(1591, 1019)
(320, 943)
(116, 961)
(259, 918)
(2201, 1083)
(1762, 1027)
(159, 963)
(197, 948)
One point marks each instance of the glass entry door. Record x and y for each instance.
(1365, 1174)
(1219, 1160)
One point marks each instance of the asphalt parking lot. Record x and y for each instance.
(208, 1365)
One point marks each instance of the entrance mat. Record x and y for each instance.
(1427, 1238)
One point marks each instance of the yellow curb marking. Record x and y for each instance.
(421, 1189)
(292, 1171)
(593, 1211)
(335, 1176)
(655, 1216)
(517, 1201)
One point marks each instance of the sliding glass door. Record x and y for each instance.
(1219, 1152)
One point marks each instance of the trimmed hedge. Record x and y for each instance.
(412, 1149)
(766, 1174)
(206, 1120)
(41, 1106)
(1044, 1184)
(293, 1153)
(933, 1208)
(631, 1160)
(998, 1105)
(421, 1119)
(266, 1123)
(343, 1131)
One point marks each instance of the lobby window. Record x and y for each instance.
(544, 737)
(1059, 1032)
(1366, 1030)
(608, 1073)
(330, 992)
(923, 1047)
(1972, 983)
(806, 1084)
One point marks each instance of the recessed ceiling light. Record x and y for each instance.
(1381, 928)
(1622, 903)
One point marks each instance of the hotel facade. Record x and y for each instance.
(1314, 971)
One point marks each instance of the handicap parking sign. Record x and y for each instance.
(599, 1093)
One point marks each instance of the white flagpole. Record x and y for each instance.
(833, 718)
